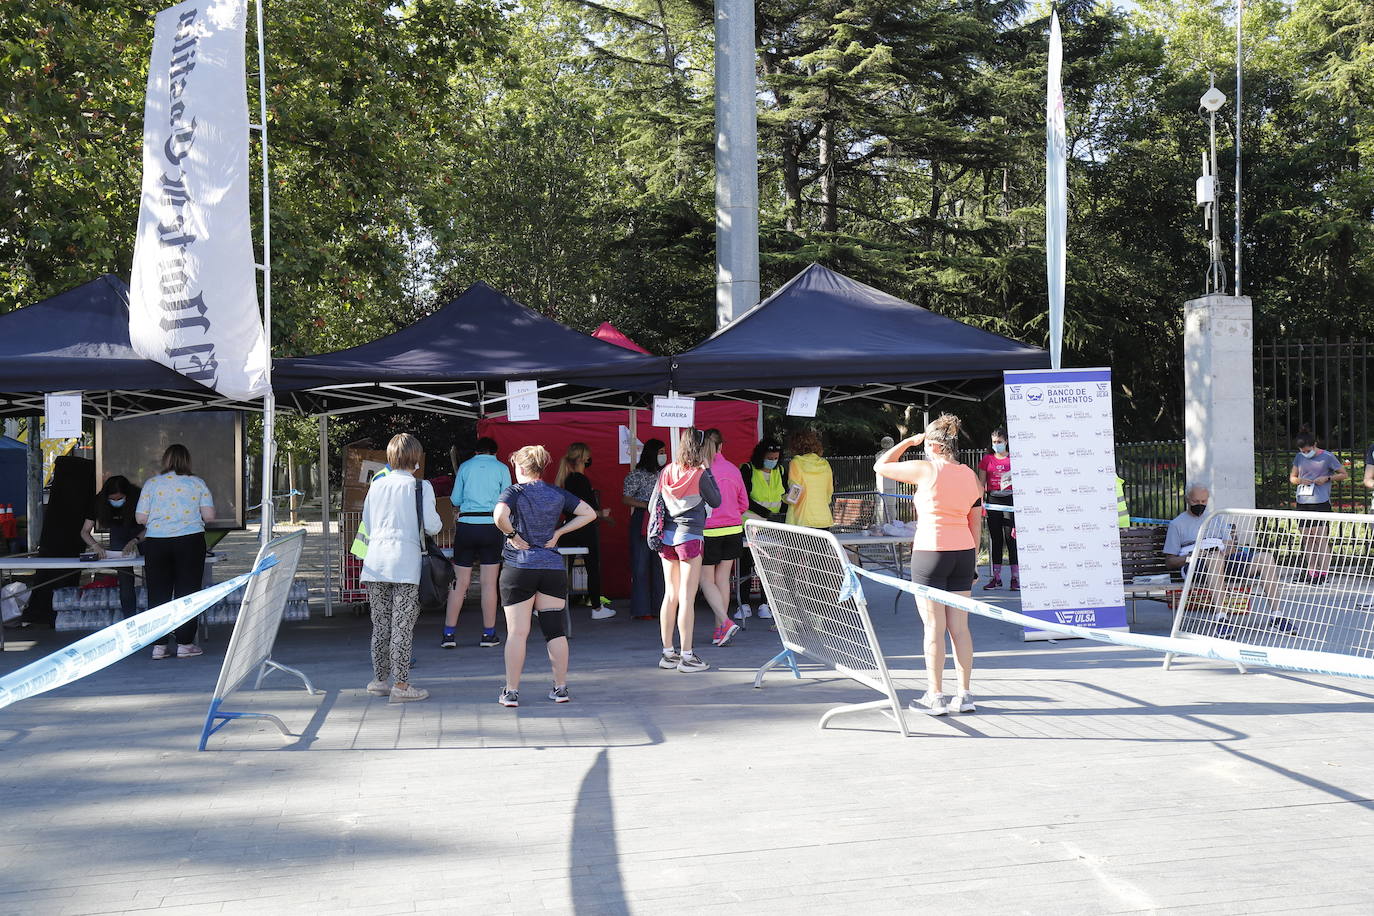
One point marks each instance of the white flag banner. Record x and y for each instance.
(1056, 192)
(193, 305)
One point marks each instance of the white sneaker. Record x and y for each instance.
(603, 613)
(765, 612)
(962, 702)
(744, 612)
(160, 650)
(932, 704)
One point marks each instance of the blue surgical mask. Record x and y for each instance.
(662, 459)
(116, 502)
(770, 463)
(1308, 453)
(999, 447)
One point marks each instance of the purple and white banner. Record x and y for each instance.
(1059, 424)
(193, 305)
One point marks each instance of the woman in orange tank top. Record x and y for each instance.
(944, 552)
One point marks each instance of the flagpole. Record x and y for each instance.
(1240, 17)
(269, 398)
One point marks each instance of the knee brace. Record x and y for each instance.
(551, 624)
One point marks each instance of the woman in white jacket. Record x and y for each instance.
(391, 567)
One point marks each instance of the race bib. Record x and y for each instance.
(1305, 489)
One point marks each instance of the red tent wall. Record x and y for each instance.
(600, 429)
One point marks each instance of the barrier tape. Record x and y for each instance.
(102, 649)
(1201, 646)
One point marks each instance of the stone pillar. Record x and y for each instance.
(737, 161)
(1219, 392)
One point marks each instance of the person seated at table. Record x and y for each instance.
(112, 511)
(1221, 557)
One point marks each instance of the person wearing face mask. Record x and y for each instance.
(1221, 558)
(112, 511)
(1313, 472)
(994, 473)
(646, 573)
(765, 482)
(572, 477)
(944, 551)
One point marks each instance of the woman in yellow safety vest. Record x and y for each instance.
(765, 480)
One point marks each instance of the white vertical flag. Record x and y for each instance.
(193, 305)
(1056, 193)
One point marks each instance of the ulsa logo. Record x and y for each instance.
(1014, 392)
(1104, 389)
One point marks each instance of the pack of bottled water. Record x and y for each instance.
(95, 608)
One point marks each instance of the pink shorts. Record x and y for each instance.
(685, 551)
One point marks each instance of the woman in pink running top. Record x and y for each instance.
(994, 473)
(949, 520)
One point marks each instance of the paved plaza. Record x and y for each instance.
(1090, 781)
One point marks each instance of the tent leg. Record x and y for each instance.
(328, 541)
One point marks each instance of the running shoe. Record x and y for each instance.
(994, 582)
(765, 612)
(559, 695)
(1015, 585)
(605, 612)
(487, 641)
(727, 633)
(669, 662)
(379, 688)
(449, 641)
(509, 697)
(962, 702)
(690, 663)
(932, 704)
(1223, 631)
(1282, 624)
(190, 650)
(743, 612)
(408, 694)
(160, 651)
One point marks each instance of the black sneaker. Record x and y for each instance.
(509, 697)
(559, 695)
(450, 641)
(1282, 624)
(489, 641)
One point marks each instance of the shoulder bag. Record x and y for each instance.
(436, 572)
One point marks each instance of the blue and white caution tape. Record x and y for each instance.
(100, 650)
(1201, 646)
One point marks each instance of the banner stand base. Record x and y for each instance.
(212, 726)
(268, 665)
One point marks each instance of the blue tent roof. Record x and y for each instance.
(825, 329)
(482, 336)
(79, 341)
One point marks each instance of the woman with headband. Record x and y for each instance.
(944, 552)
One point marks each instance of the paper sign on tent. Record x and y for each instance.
(62, 416)
(674, 412)
(803, 402)
(522, 401)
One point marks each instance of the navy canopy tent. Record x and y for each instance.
(444, 362)
(824, 329)
(79, 341)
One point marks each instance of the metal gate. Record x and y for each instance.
(1327, 386)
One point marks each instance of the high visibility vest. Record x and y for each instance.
(765, 487)
(1123, 515)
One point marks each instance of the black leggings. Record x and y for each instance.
(1000, 525)
(175, 568)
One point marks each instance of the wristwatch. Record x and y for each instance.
(510, 535)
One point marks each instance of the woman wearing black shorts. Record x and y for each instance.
(533, 578)
(949, 520)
